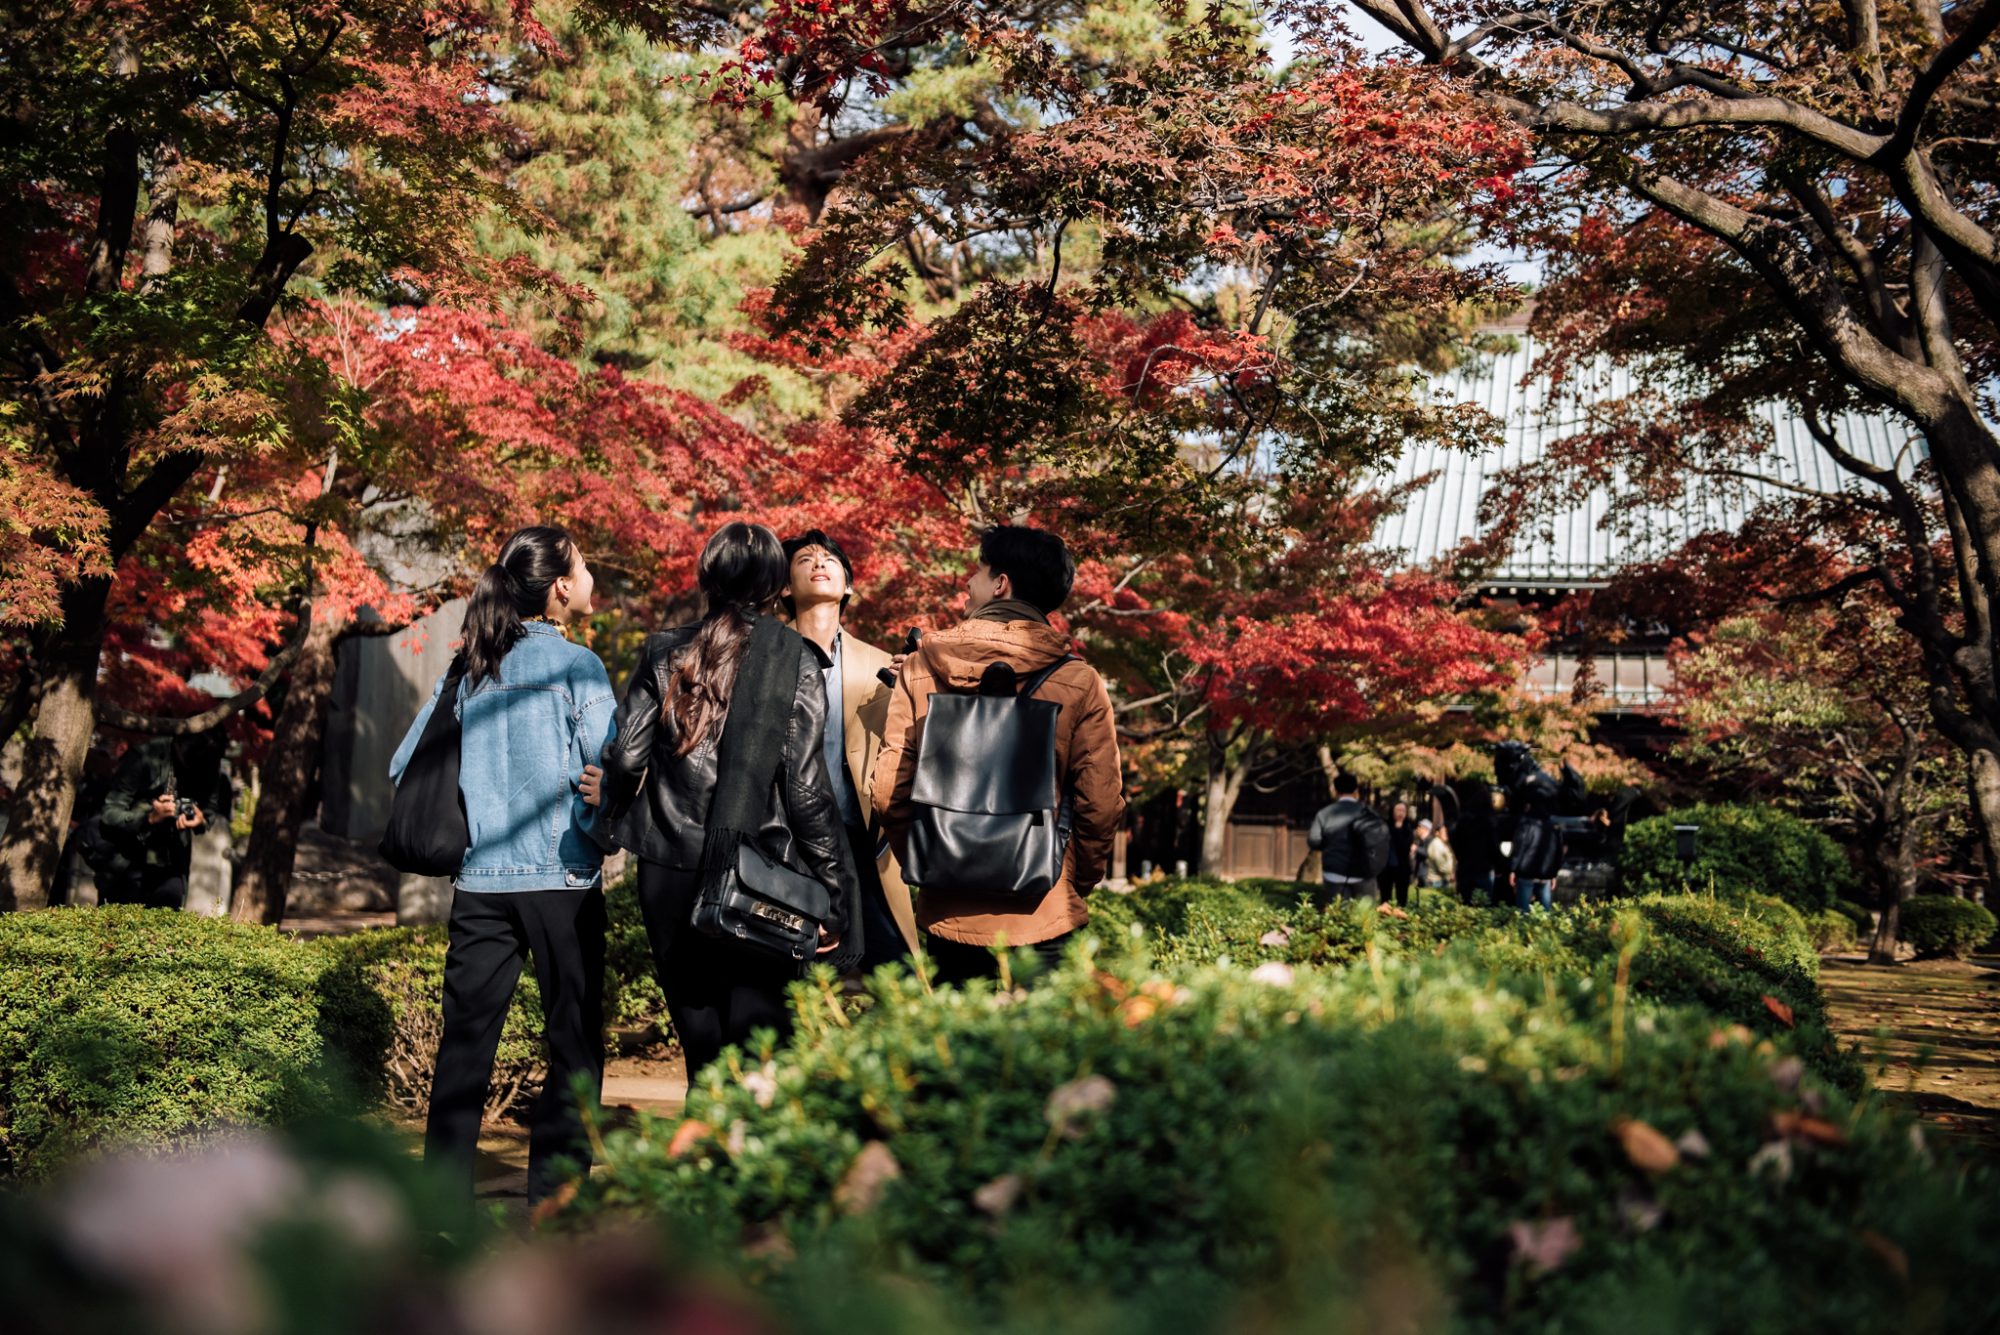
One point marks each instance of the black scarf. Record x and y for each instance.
(752, 745)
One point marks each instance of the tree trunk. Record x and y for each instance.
(52, 763)
(1225, 785)
(1894, 853)
(1983, 779)
(285, 780)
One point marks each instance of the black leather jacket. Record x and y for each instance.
(1352, 839)
(801, 827)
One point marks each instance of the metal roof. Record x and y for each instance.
(1577, 547)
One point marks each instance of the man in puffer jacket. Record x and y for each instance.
(1023, 575)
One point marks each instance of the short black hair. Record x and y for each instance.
(1034, 560)
(1345, 783)
(813, 537)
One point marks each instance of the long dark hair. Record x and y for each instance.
(513, 587)
(742, 572)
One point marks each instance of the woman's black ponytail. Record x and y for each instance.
(514, 587)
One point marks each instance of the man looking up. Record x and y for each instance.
(820, 581)
(1022, 575)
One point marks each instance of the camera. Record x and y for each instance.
(186, 808)
(910, 643)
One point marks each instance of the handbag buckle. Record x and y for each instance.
(791, 921)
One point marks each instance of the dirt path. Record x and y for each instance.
(657, 1085)
(1930, 1033)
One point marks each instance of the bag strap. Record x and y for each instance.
(1034, 683)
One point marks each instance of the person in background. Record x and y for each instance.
(1353, 844)
(692, 682)
(1022, 575)
(1440, 864)
(1420, 839)
(534, 710)
(819, 582)
(1402, 834)
(164, 792)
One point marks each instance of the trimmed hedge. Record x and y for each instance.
(1418, 1142)
(1740, 850)
(121, 1025)
(1832, 932)
(1944, 927)
(1724, 956)
(126, 1025)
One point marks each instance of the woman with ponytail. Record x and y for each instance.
(723, 724)
(534, 711)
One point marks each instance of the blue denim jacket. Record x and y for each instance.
(526, 737)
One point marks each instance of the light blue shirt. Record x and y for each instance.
(835, 745)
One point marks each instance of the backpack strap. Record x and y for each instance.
(1034, 683)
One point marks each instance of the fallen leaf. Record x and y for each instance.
(686, 1136)
(1693, 1144)
(1112, 984)
(998, 1196)
(1135, 1011)
(1786, 1072)
(552, 1204)
(1277, 936)
(1799, 1126)
(1892, 1256)
(1779, 1009)
(1274, 972)
(1070, 1104)
(1648, 1150)
(1546, 1244)
(870, 1174)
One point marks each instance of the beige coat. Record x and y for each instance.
(865, 712)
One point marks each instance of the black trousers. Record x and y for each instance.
(954, 962)
(492, 935)
(1396, 885)
(718, 993)
(154, 888)
(881, 941)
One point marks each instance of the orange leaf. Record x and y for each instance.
(553, 1204)
(1779, 1009)
(686, 1136)
(1137, 1010)
(1648, 1150)
(1799, 1126)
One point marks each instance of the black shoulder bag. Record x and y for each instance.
(428, 834)
(744, 895)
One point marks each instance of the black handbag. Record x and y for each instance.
(988, 815)
(428, 834)
(764, 905)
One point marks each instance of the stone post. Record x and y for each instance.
(211, 876)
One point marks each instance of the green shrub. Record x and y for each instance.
(1218, 1150)
(635, 997)
(1832, 932)
(1740, 850)
(1944, 927)
(404, 967)
(131, 1025)
(1863, 920)
(1722, 955)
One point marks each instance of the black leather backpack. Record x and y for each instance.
(990, 817)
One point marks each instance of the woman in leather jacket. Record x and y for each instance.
(668, 730)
